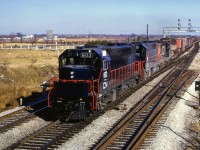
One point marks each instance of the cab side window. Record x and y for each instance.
(62, 62)
(105, 64)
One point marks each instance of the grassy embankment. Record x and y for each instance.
(22, 72)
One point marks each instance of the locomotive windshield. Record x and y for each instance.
(77, 58)
(76, 61)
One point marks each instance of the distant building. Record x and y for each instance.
(50, 35)
(28, 36)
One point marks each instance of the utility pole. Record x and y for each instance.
(56, 39)
(147, 33)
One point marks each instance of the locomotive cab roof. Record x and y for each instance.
(144, 45)
(101, 53)
(141, 44)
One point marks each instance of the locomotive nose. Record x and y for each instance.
(76, 72)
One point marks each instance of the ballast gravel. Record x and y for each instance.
(19, 132)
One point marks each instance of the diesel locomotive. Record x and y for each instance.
(90, 77)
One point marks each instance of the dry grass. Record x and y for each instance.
(22, 72)
(24, 58)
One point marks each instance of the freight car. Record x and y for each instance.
(184, 43)
(91, 77)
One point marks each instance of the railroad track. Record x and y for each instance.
(43, 137)
(132, 129)
(23, 115)
(152, 133)
(53, 135)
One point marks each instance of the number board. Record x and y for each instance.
(86, 55)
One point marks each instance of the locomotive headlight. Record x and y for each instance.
(103, 52)
(72, 77)
(72, 72)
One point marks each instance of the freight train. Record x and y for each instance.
(90, 77)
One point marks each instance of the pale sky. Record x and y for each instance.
(96, 16)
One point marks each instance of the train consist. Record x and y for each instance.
(91, 77)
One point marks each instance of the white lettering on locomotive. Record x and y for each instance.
(105, 84)
(86, 55)
(105, 74)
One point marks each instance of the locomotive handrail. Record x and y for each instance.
(126, 72)
(51, 87)
(98, 90)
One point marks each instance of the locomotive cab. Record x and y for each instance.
(75, 65)
(141, 51)
(83, 77)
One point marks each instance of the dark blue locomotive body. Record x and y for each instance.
(120, 55)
